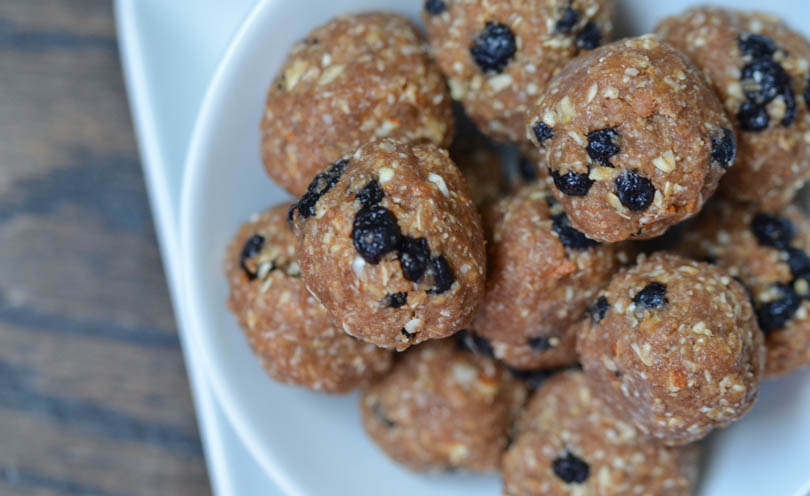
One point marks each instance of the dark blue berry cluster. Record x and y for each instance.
(763, 79)
(724, 148)
(253, 245)
(654, 295)
(570, 468)
(494, 47)
(319, 186)
(778, 232)
(587, 38)
(376, 232)
(598, 309)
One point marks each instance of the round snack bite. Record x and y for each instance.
(634, 138)
(442, 407)
(390, 242)
(541, 275)
(499, 55)
(569, 443)
(355, 78)
(768, 253)
(760, 68)
(674, 347)
(287, 329)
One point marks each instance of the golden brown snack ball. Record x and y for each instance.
(443, 407)
(541, 275)
(760, 69)
(390, 242)
(286, 327)
(355, 78)
(499, 55)
(569, 443)
(634, 138)
(674, 348)
(768, 253)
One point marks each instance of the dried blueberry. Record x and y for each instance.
(540, 343)
(775, 314)
(590, 37)
(763, 80)
(414, 255)
(772, 230)
(375, 232)
(319, 186)
(598, 309)
(654, 295)
(542, 132)
(475, 343)
(570, 468)
(378, 412)
(569, 19)
(799, 263)
(753, 117)
(572, 183)
(253, 245)
(434, 7)
(602, 145)
(757, 46)
(570, 237)
(443, 277)
(635, 191)
(724, 148)
(371, 194)
(494, 47)
(395, 300)
(405, 333)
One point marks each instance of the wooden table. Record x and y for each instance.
(94, 397)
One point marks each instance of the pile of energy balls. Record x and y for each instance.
(513, 319)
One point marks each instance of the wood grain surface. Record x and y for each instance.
(94, 397)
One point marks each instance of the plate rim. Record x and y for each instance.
(201, 134)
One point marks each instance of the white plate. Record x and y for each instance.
(313, 444)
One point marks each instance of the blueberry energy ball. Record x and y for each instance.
(634, 138)
(569, 443)
(760, 68)
(541, 275)
(443, 407)
(288, 330)
(768, 253)
(499, 55)
(674, 348)
(356, 77)
(390, 242)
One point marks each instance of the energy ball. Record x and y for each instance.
(768, 253)
(286, 327)
(674, 348)
(442, 407)
(634, 138)
(541, 275)
(760, 68)
(390, 242)
(355, 78)
(568, 443)
(499, 55)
